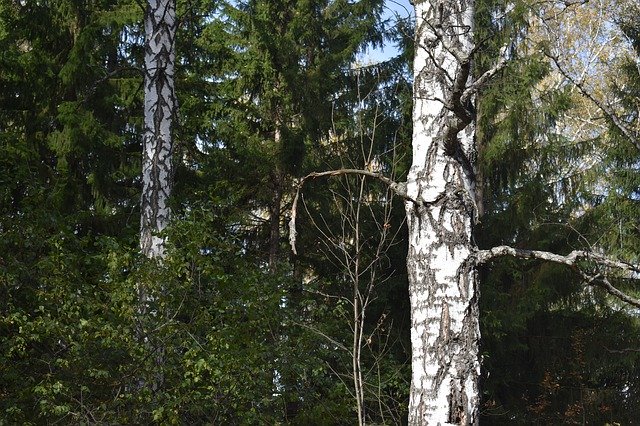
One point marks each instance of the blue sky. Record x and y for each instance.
(394, 10)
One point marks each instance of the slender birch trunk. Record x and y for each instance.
(159, 108)
(157, 174)
(443, 284)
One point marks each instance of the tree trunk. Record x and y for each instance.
(159, 108)
(157, 171)
(442, 280)
(274, 223)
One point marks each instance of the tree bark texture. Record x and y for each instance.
(275, 209)
(442, 279)
(159, 107)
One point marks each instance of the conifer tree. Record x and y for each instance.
(70, 142)
(561, 340)
(289, 59)
(269, 93)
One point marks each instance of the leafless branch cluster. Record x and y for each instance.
(398, 188)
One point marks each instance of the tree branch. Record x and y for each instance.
(481, 81)
(620, 351)
(398, 188)
(599, 278)
(609, 288)
(611, 115)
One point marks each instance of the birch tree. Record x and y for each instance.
(441, 212)
(157, 169)
(442, 288)
(159, 108)
(442, 209)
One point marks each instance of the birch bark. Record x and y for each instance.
(442, 280)
(159, 108)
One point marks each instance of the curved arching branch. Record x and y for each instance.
(398, 188)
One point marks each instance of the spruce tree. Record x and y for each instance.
(70, 148)
(548, 340)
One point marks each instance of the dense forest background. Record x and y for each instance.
(243, 331)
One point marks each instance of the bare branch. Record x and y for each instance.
(398, 188)
(321, 333)
(621, 351)
(483, 256)
(600, 278)
(611, 115)
(481, 81)
(609, 288)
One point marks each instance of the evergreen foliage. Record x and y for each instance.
(554, 349)
(268, 92)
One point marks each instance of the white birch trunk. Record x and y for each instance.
(443, 285)
(157, 171)
(159, 108)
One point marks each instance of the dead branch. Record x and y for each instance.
(604, 283)
(609, 267)
(621, 351)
